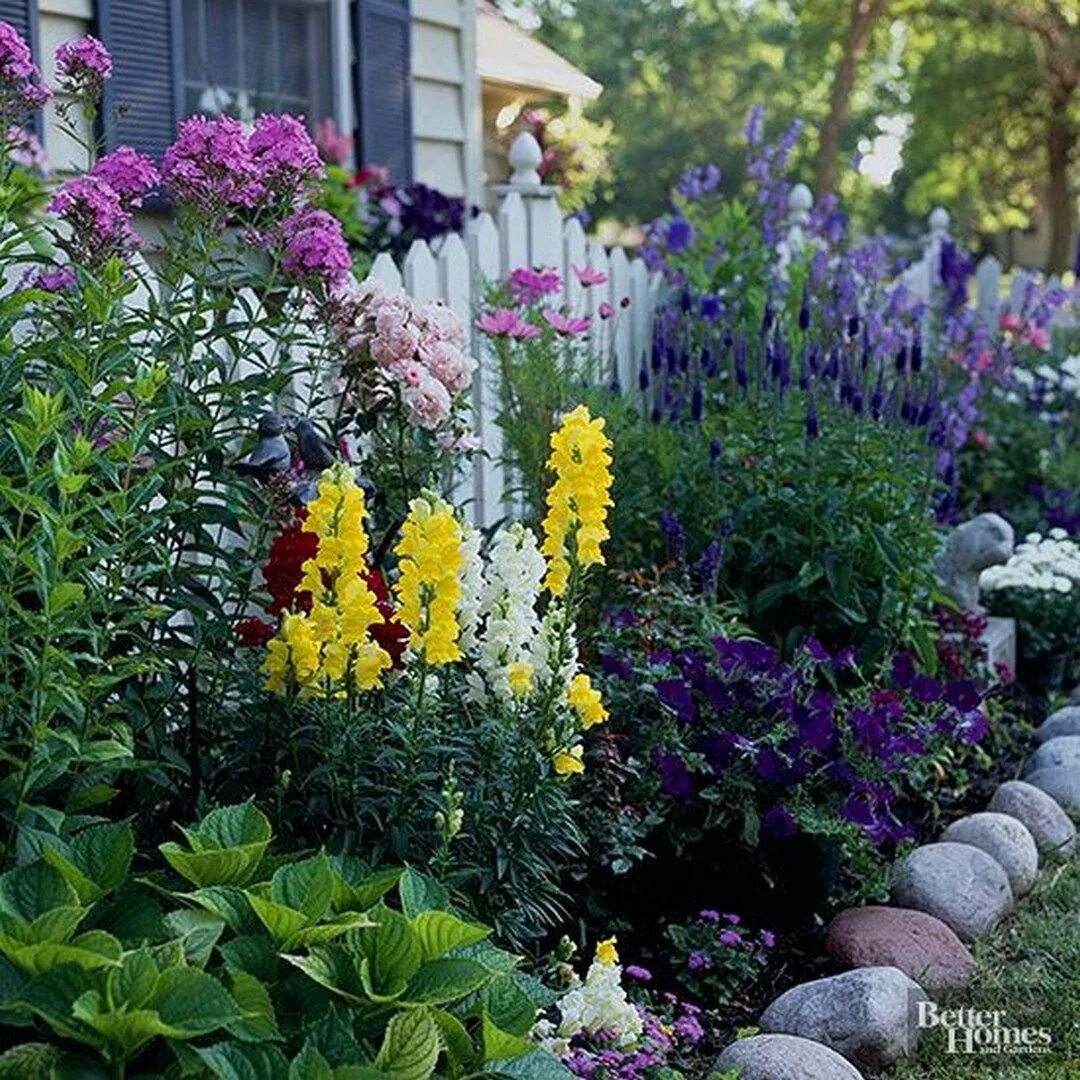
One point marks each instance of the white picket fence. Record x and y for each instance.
(527, 230)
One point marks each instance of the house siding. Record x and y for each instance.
(445, 90)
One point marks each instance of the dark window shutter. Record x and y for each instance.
(384, 85)
(142, 99)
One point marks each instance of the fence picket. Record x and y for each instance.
(513, 234)
(545, 234)
(599, 296)
(574, 252)
(421, 273)
(988, 289)
(384, 270)
(622, 358)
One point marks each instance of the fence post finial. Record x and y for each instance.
(525, 157)
(800, 202)
(939, 221)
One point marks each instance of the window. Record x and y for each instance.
(246, 57)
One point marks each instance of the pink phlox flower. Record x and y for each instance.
(284, 155)
(130, 174)
(210, 165)
(100, 224)
(84, 65)
(1010, 322)
(1037, 337)
(315, 247)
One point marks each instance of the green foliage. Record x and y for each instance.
(296, 966)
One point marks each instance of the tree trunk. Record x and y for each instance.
(864, 13)
(1060, 141)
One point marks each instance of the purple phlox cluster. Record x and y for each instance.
(698, 181)
(98, 218)
(130, 174)
(314, 247)
(25, 150)
(54, 280)
(284, 156)
(679, 235)
(83, 66)
(21, 89)
(334, 145)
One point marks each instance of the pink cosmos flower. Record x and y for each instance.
(83, 66)
(528, 286)
(589, 275)
(566, 325)
(606, 311)
(1010, 323)
(1037, 337)
(506, 322)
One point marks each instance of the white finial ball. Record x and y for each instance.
(524, 157)
(800, 199)
(939, 219)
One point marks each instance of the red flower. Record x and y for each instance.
(390, 634)
(254, 632)
(291, 548)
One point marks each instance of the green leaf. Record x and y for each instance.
(333, 968)
(282, 922)
(355, 887)
(305, 886)
(30, 890)
(235, 826)
(254, 954)
(501, 1045)
(198, 932)
(509, 1006)
(391, 951)
(410, 1047)
(439, 932)
(96, 861)
(31, 1061)
(328, 931)
(134, 982)
(456, 1040)
(439, 982)
(229, 866)
(420, 893)
(253, 999)
(309, 1064)
(193, 1002)
(539, 1065)
(90, 951)
(244, 1061)
(232, 905)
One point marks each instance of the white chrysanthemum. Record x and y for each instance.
(471, 577)
(600, 1004)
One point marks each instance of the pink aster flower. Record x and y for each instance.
(1037, 337)
(284, 156)
(315, 247)
(83, 66)
(506, 322)
(566, 325)
(529, 286)
(130, 174)
(100, 223)
(589, 275)
(605, 311)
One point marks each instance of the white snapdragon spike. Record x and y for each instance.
(599, 1004)
(545, 648)
(511, 591)
(471, 579)
(1044, 564)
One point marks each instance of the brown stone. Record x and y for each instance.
(921, 946)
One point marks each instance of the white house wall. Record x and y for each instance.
(446, 90)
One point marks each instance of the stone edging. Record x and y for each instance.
(955, 890)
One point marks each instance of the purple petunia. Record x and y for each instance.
(779, 823)
(680, 235)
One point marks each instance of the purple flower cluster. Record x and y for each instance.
(218, 169)
(747, 717)
(130, 174)
(21, 89)
(314, 247)
(663, 1038)
(397, 215)
(100, 223)
(83, 66)
(698, 181)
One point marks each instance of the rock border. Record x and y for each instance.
(813, 1021)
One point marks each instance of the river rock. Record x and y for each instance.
(862, 1014)
(1054, 833)
(1060, 750)
(959, 884)
(922, 947)
(1005, 840)
(1061, 783)
(1063, 722)
(785, 1057)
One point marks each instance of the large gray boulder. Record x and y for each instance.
(922, 947)
(1065, 721)
(863, 1014)
(1005, 840)
(1061, 783)
(785, 1057)
(1061, 750)
(1054, 833)
(959, 884)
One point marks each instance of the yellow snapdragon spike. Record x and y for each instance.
(606, 953)
(578, 500)
(428, 586)
(567, 762)
(586, 701)
(321, 651)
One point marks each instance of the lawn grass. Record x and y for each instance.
(1030, 967)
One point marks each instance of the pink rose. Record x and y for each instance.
(428, 402)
